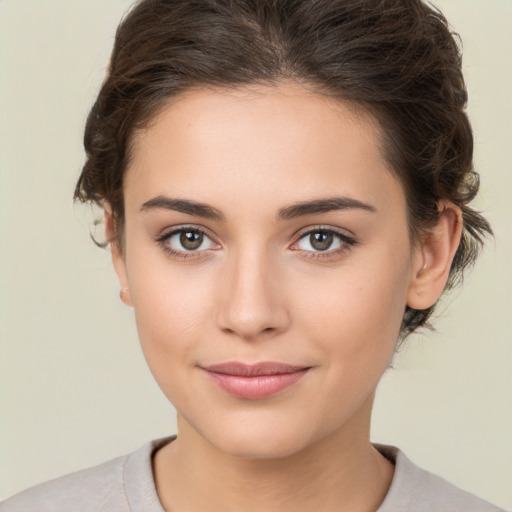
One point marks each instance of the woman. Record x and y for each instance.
(286, 190)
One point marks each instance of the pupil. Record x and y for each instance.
(321, 240)
(191, 239)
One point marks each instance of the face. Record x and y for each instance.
(268, 262)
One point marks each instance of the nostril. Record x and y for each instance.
(249, 305)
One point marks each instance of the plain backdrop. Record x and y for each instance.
(75, 389)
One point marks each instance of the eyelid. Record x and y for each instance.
(348, 238)
(347, 242)
(170, 231)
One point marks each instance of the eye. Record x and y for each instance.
(319, 241)
(186, 241)
(322, 240)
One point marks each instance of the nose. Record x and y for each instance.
(252, 302)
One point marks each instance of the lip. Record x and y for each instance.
(254, 381)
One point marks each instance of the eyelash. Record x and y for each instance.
(346, 241)
(182, 255)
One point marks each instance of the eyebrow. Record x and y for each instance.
(184, 206)
(206, 211)
(322, 206)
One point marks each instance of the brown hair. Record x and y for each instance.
(396, 58)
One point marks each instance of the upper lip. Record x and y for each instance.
(253, 370)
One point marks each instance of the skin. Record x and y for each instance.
(257, 290)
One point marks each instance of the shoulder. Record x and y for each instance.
(115, 485)
(414, 489)
(95, 488)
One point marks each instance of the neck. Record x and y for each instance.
(340, 472)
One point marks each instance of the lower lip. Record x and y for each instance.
(256, 387)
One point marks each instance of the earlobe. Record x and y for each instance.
(433, 258)
(124, 295)
(117, 256)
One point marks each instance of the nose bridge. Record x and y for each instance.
(252, 303)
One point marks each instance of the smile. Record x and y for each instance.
(254, 382)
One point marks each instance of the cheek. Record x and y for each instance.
(356, 311)
(172, 307)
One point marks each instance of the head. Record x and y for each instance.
(235, 80)
(396, 60)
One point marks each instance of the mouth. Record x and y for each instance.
(254, 382)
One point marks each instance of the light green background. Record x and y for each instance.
(74, 386)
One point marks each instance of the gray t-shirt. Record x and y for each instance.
(126, 484)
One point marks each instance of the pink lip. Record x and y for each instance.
(254, 382)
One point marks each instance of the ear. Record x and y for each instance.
(117, 255)
(433, 257)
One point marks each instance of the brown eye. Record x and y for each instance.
(191, 240)
(321, 240)
(187, 240)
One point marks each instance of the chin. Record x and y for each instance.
(257, 439)
(256, 447)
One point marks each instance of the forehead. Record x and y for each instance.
(259, 109)
(255, 141)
